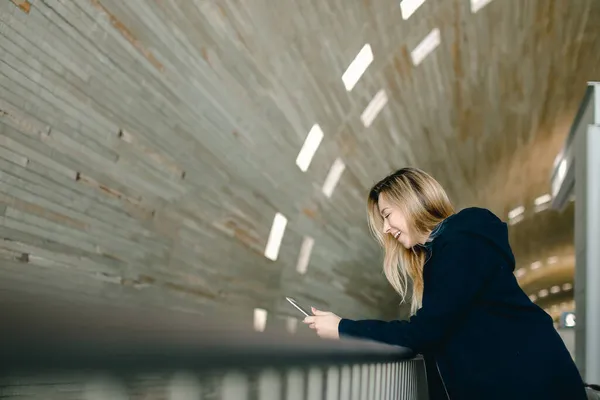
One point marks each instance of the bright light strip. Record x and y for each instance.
(275, 236)
(514, 213)
(309, 148)
(304, 257)
(477, 5)
(333, 177)
(543, 199)
(567, 286)
(555, 289)
(543, 293)
(535, 265)
(260, 319)
(552, 260)
(427, 45)
(357, 67)
(377, 103)
(520, 272)
(408, 7)
(560, 176)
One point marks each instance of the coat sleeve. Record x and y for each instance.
(457, 276)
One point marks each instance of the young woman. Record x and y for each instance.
(480, 335)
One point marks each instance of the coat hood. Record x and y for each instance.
(476, 222)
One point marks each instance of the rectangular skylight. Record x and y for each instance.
(260, 319)
(409, 7)
(309, 148)
(304, 257)
(357, 67)
(377, 103)
(333, 177)
(477, 5)
(275, 237)
(543, 199)
(427, 45)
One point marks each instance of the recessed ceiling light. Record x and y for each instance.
(333, 177)
(275, 236)
(570, 320)
(543, 293)
(309, 148)
(535, 265)
(372, 110)
(552, 260)
(520, 272)
(304, 257)
(555, 289)
(515, 212)
(357, 67)
(477, 5)
(567, 286)
(427, 45)
(543, 199)
(260, 319)
(532, 297)
(408, 7)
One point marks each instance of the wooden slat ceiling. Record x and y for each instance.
(146, 146)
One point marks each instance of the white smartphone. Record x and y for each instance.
(298, 307)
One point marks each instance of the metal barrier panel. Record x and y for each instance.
(398, 380)
(76, 352)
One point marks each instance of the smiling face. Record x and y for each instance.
(395, 223)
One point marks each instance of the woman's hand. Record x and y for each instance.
(325, 323)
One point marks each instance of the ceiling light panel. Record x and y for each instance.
(408, 7)
(304, 257)
(427, 45)
(357, 67)
(543, 199)
(309, 148)
(375, 106)
(516, 212)
(260, 319)
(275, 236)
(333, 177)
(477, 5)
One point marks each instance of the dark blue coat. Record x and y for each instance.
(476, 325)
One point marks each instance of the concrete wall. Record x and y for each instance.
(144, 152)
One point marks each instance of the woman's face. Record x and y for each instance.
(394, 223)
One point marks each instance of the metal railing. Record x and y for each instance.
(62, 351)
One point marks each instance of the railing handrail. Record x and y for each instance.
(38, 334)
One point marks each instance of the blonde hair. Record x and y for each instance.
(424, 203)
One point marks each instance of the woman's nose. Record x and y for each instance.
(386, 226)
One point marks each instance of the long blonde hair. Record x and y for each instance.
(424, 203)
